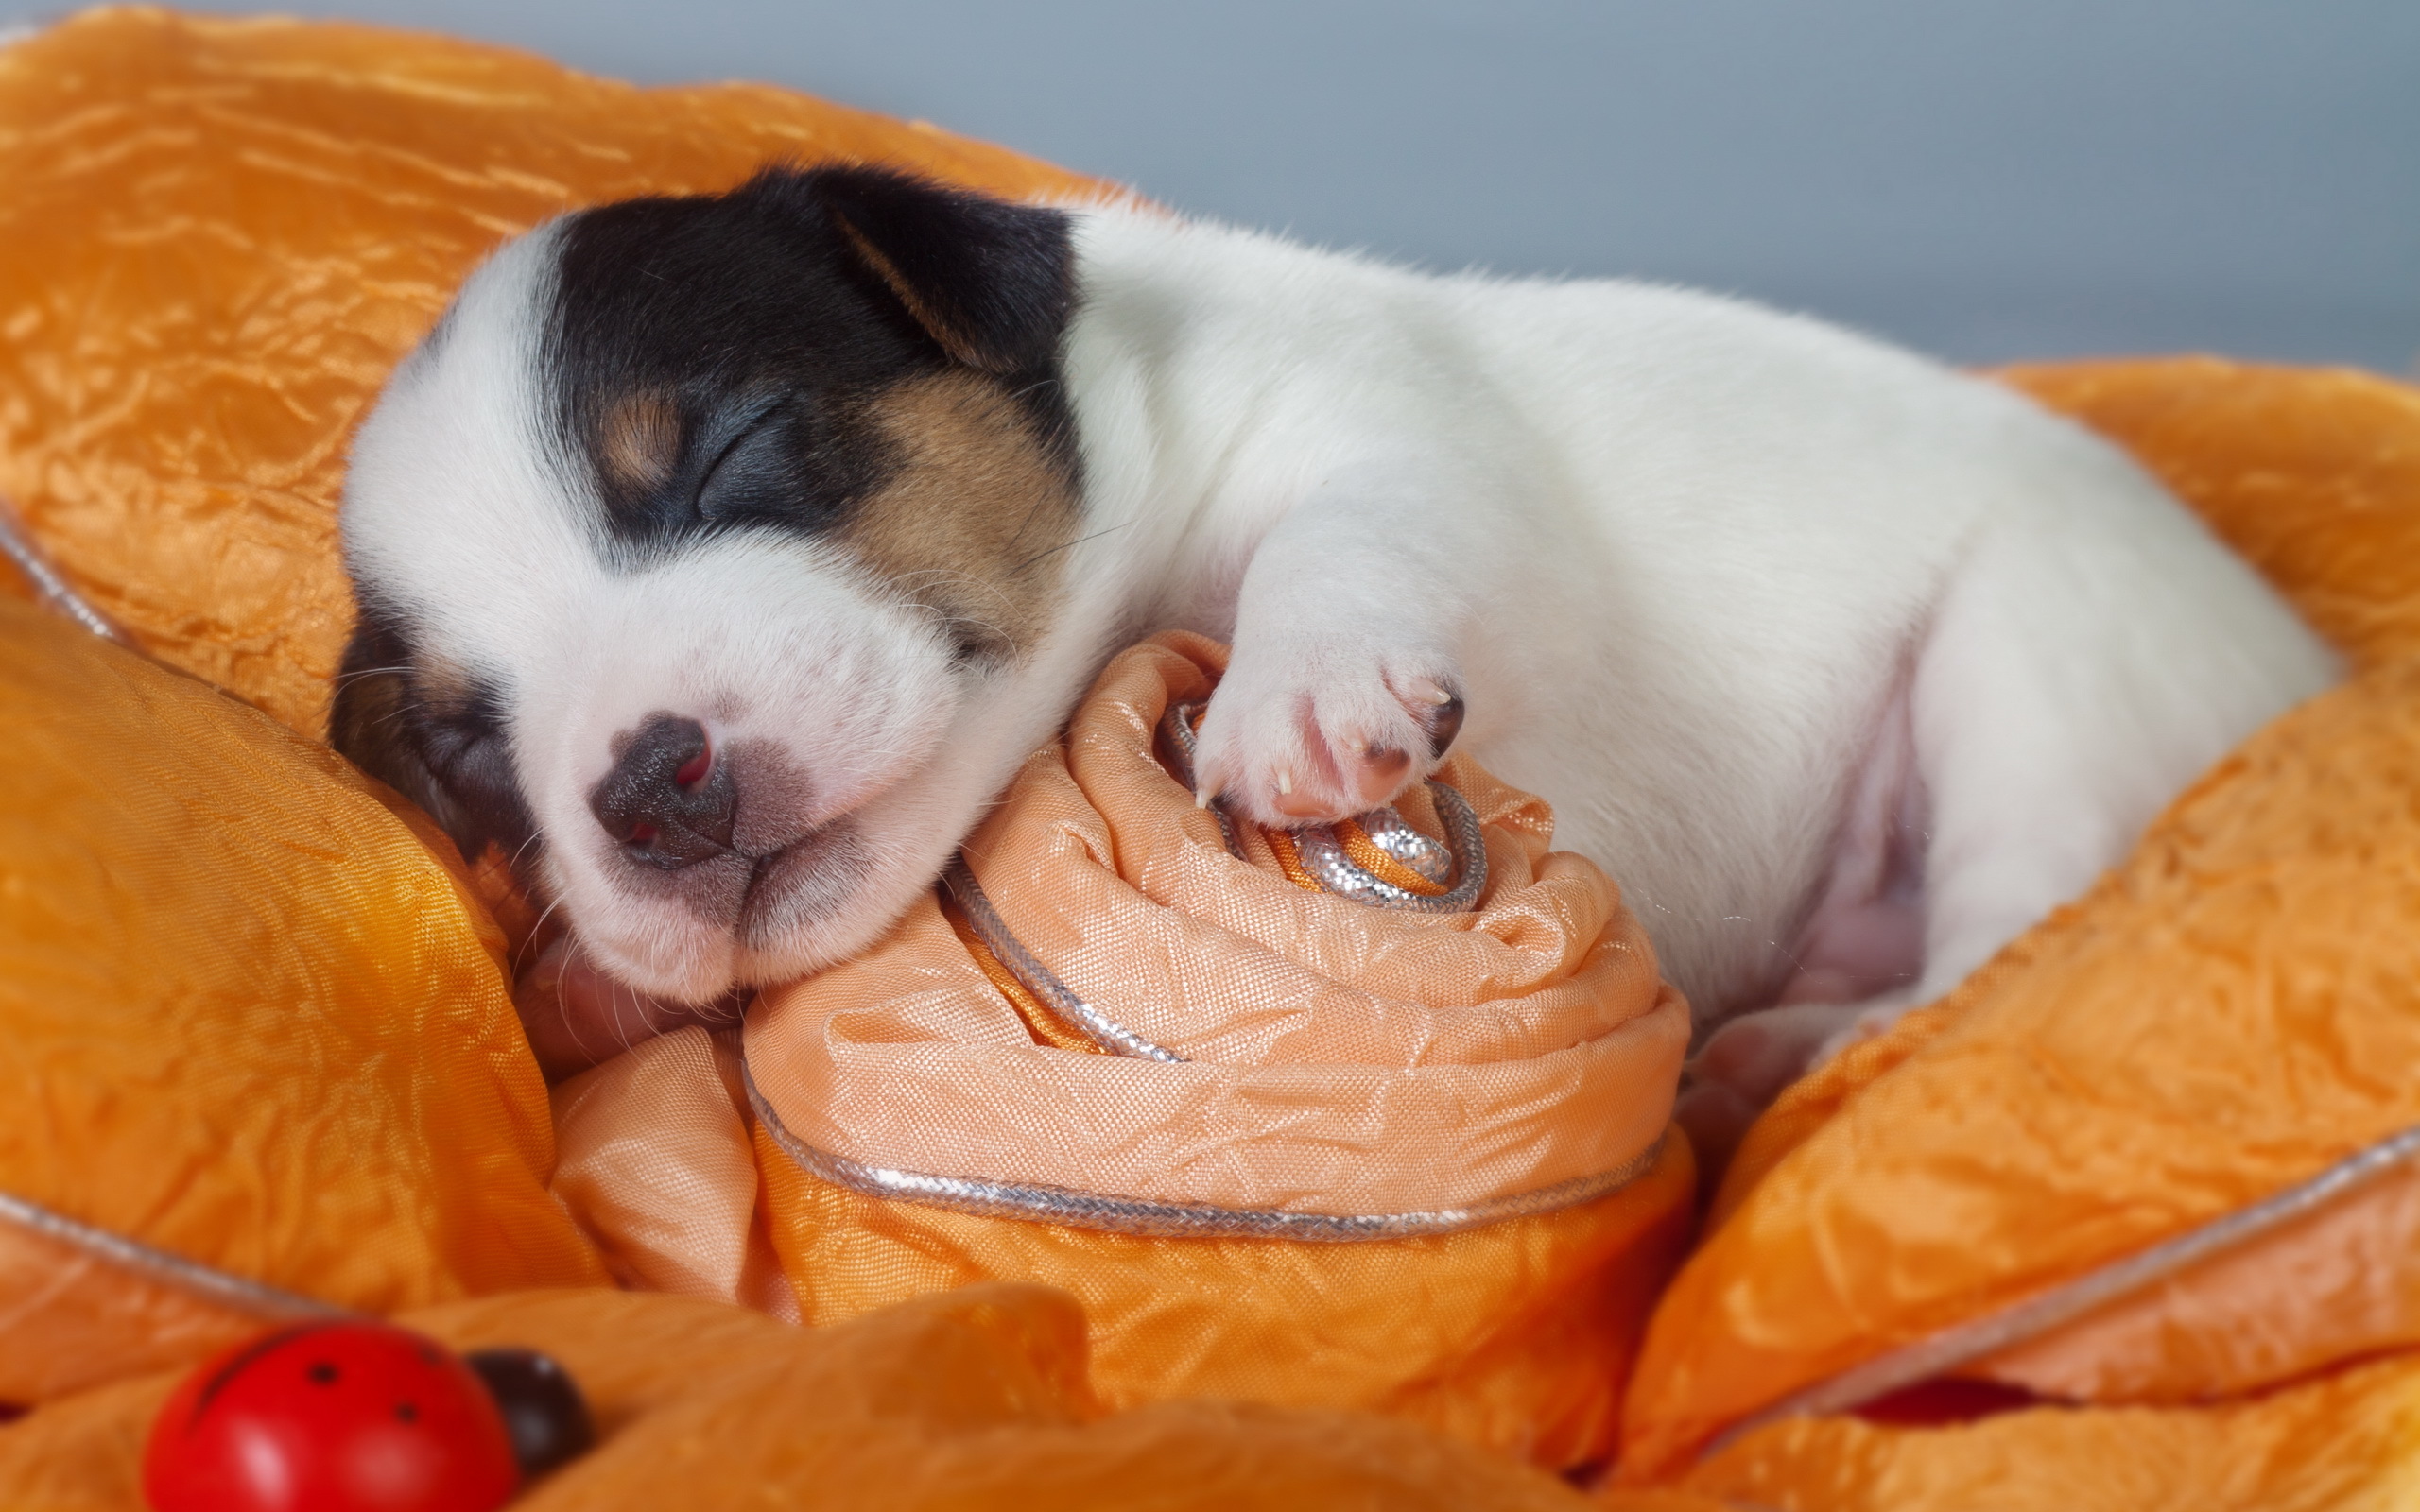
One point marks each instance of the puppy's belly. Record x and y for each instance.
(1865, 939)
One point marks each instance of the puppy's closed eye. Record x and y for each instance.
(796, 459)
(799, 462)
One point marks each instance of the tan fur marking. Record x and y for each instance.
(444, 686)
(639, 440)
(973, 520)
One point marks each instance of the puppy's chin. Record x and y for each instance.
(810, 906)
(842, 900)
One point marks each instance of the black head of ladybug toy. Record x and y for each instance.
(360, 1416)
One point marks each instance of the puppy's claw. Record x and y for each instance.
(1443, 726)
(1429, 692)
(1285, 781)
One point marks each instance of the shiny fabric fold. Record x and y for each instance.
(976, 1402)
(2348, 1441)
(251, 1018)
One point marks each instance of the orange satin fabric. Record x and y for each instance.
(2311, 473)
(2348, 1442)
(247, 1015)
(1517, 1336)
(977, 1402)
(2227, 1013)
(218, 237)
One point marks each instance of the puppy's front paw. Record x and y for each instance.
(1304, 736)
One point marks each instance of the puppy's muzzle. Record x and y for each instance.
(667, 801)
(727, 835)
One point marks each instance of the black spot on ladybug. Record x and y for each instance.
(406, 1411)
(323, 1372)
(236, 1363)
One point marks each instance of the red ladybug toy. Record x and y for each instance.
(359, 1417)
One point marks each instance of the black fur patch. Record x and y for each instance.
(437, 739)
(756, 326)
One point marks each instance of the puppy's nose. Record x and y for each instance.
(668, 801)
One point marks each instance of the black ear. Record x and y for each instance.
(991, 282)
(455, 768)
(371, 723)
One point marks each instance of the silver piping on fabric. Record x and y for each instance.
(2038, 1315)
(56, 593)
(1430, 860)
(1324, 857)
(1072, 1010)
(1173, 1220)
(258, 1299)
(1176, 734)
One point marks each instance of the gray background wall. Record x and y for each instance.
(1987, 179)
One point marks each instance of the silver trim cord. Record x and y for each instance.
(260, 1300)
(1426, 858)
(1176, 734)
(2038, 1315)
(1073, 1011)
(54, 592)
(1323, 857)
(1174, 1220)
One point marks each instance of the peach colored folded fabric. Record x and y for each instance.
(1340, 1058)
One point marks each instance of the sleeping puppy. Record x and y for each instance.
(722, 558)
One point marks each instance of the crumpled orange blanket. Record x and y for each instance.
(253, 1014)
(974, 1399)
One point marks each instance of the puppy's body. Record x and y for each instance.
(1848, 667)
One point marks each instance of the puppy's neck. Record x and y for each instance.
(1164, 399)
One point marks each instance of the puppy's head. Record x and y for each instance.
(693, 544)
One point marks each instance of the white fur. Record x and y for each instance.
(1681, 553)
(1690, 563)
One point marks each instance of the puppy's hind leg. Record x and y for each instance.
(1855, 962)
(2060, 703)
(2063, 695)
